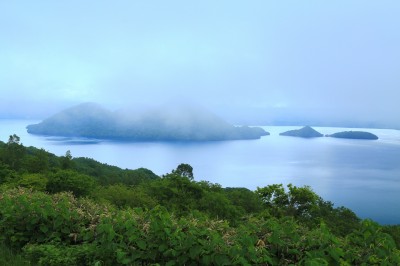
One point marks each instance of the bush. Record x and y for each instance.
(55, 255)
(27, 216)
(68, 180)
(61, 229)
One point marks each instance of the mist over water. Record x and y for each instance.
(267, 62)
(359, 174)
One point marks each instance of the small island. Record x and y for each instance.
(305, 132)
(354, 135)
(177, 123)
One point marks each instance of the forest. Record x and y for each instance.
(61, 210)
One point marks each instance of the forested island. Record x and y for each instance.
(76, 211)
(305, 132)
(309, 132)
(177, 123)
(354, 135)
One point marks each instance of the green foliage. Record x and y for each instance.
(68, 180)
(123, 196)
(35, 217)
(62, 230)
(178, 193)
(10, 257)
(297, 202)
(179, 221)
(66, 161)
(307, 208)
(182, 195)
(33, 181)
(6, 174)
(371, 246)
(14, 152)
(55, 255)
(157, 237)
(341, 221)
(184, 170)
(394, 231)
(245, 199)
(109, 175)
(217, 205)
(37, 161)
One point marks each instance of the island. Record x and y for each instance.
(305, 132)
(354, 135)
(177, 123)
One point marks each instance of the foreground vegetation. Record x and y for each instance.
(76, 211)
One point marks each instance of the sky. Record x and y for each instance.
(256, 62)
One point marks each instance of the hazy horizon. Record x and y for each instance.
(319, 63)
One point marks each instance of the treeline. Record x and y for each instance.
(76, 211)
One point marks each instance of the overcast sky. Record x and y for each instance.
(259, 61)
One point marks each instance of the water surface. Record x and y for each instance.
(362, 175)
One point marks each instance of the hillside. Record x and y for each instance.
(172, 124)
(76, 211)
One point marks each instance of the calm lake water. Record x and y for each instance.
(362, 175)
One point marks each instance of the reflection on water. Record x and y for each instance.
(73, 141)
(360, 174)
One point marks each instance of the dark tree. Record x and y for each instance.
(184, 170)
(37, 161)
(14, 152)
(66, 161)
(69, 180)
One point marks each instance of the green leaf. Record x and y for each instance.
(44, 228)
(141, 244)
(336, 253)
(162, 247)
(121, 256)
(221, 259)
(58, 222)
(126, 261)
(111, 235)
(316, 262)
(194, 252)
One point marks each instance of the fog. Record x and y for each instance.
(251, 62)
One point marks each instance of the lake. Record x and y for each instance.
(362, 175)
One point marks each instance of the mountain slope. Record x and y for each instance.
(163, 124)
(305, 132)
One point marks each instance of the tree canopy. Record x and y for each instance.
(87, 213)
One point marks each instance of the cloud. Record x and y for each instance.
(253, 62)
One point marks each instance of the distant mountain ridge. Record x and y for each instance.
(172, 124)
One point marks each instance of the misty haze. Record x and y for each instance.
(209, 133)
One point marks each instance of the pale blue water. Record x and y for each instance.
(359, 174)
